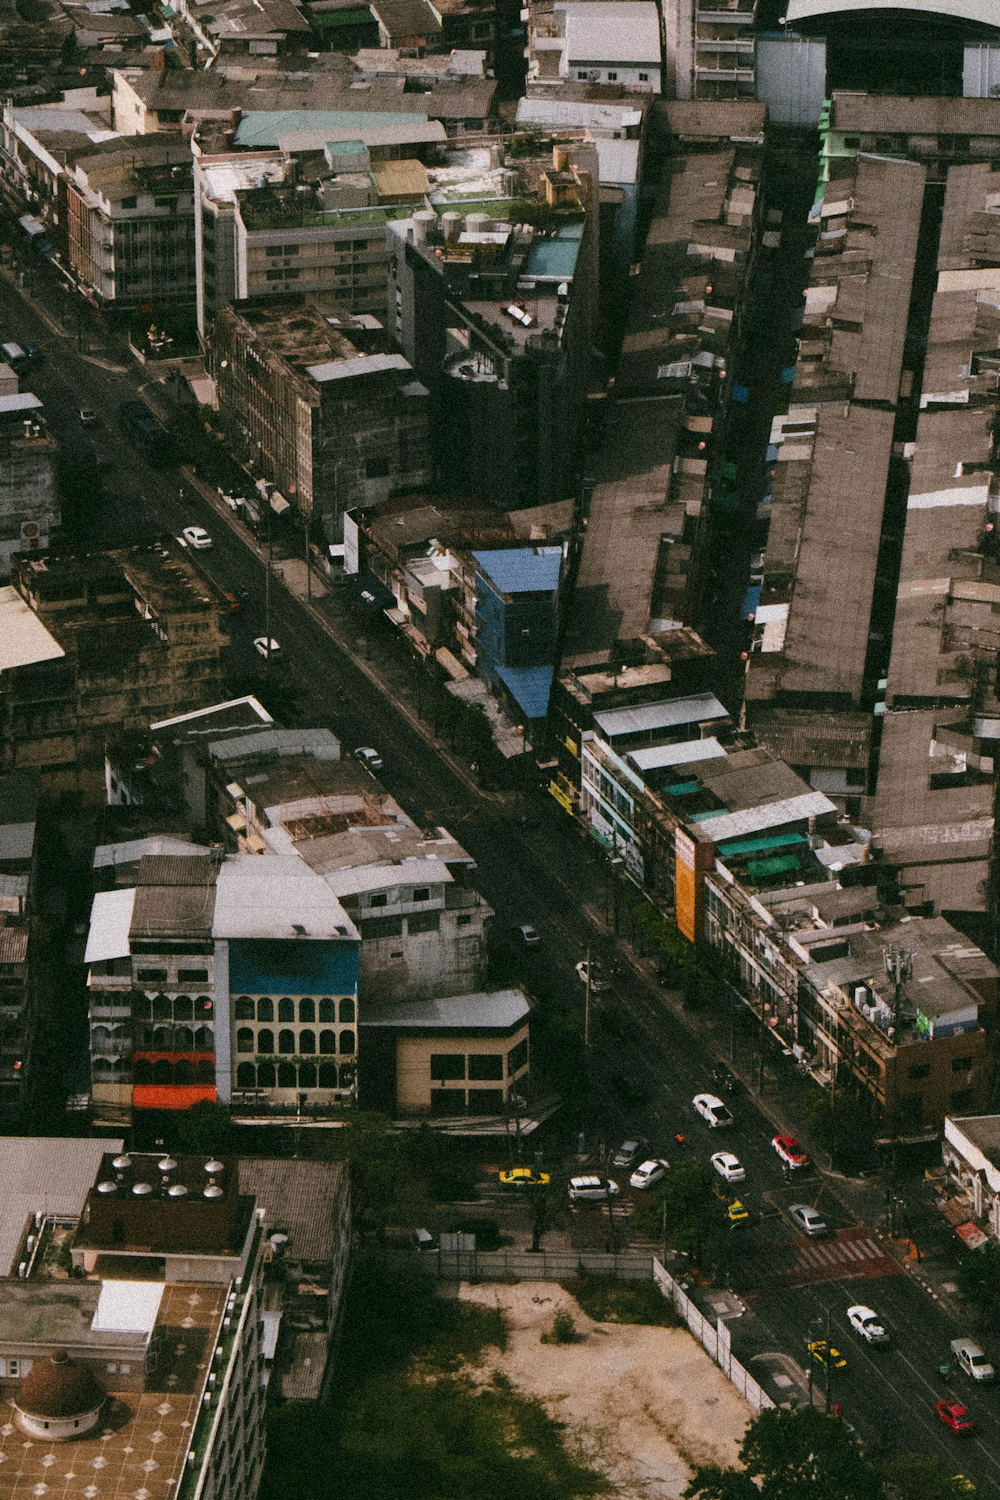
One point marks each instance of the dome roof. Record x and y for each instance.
(59, 1387)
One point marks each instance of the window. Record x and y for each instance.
(292, 275)
(517, 1057)
(485, 1065)
(447, 1101)
(427, 921)
(192, 976)
(328, 1010)
(445, 1065)
(244, 1009)
(643, 77)
(347, 1011)
(287, 1076)
(122, 1370)
(463, 919)
(612, 77)
(380, 927)
(183, 1039)
(246, 1076)
(852, 142)
(164, 202)
(275, 276)
(328, 1075)
(485, 1101)
(204, 1070)
(328, 1041)
(273, 250)
(244, 1039)
(923, 1070)
(380, 898)
(290, 249)
(307, 1075)
(184, 1071)
(163, 1071)
(111, 1369)
(961, 1064)
(348, 1046)
(184, 1009)
(265, 1042)
(265, 1075)
(153, 976)
(204, 1004)
(265, 1010)
(582, 77)
(204, 1039)
(962, 1099)
(286, 1041)
(307, 1041)
(307, 1010)
(142, 1071)
(286, 1009)
(422, 893)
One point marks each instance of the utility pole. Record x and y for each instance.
(586, 1005)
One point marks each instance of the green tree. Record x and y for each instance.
(918, 1476)
(206, 1129)
(540, 1203)
(380, 1168)
(686, 1204)
(979, 1279)
(840, 1123)
(792, 1454)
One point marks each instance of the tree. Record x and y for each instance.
(918, 1476)
(840, 1123)
(686, 1204)
(206, 1129)
(792, 1454)
(540, 1202)
(380, 1169)
(979, 1279)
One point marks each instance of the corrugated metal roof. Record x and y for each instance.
(756, 846)
(177, 869)
(671, 714)
(133, 850)
(521, 570)
(488, 1009)
(52, 1174)
(13, 944)
(364, 364)
(110, 920)
(772, 815)
(24, 640)
(301, 1199)
(268, 898)
(654, 756)
(625, 31)
(377, 877)
(530, 688)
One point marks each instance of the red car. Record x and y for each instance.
(791, 1153)
(954, 1415)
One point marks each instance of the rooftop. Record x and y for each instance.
(625, 31)
(43, 1174)
(521, 570)
(647, 718)
(24, 640)
(496, 1010)
(301, 1199)
(923, 116)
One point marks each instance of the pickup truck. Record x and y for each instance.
(972, 1359)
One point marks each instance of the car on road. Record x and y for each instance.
(737, 1212)
(805, 1217)
(34, 351)
(728, 1166)
(197, 537)
(866, 1324)
(232, 600)
(712, 1110)
(523, 1177)
(88, 417)
(826, 1355)
(972, 1360)
(954, 1415)
(592, 1189)
(529, 937)
(266, 648)
(628, 1151)
(649, 1172)
(790, 1152)
(368, 757)
(598, 984)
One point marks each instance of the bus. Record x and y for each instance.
(148, 433)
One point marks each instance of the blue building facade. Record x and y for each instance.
(517, 619)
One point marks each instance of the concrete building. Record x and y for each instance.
(39, 144)
(971, 1154)
(517, 623)
(18, 866)
(710, 50)
(92, 646)
(29, 505)
(332, 427)
(593, 41)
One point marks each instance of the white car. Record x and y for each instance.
(370, 757)
(197, 537)
(529, 937)
(712, 1110)
(728, 1166)
(866, 1324)
(805, 1217)
(650, 1171)
(266, 648)
(597, 984)
(88, 418)
(592, 1189)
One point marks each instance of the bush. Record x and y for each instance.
(607, 1299)
(563, 1329)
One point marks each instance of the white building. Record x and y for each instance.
(592, 41)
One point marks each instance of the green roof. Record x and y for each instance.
(345, 148)
(683, 788)
(260, 129)
(755, 846)
(358, 15)
(759, 868)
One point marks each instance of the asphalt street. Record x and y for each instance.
(649, 1059)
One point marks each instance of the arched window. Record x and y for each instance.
(183, 1008)
(286, 1041)
(347, 1043)
(265, 1043)
(163, 1071)
(328, 1075)
(162, 1010)
(286, 1075)
(307, 1041)
(347, 1012)
(142, 1008)
(286, 1009)
(203, 1005)
(246, 1076)
(244, 1039)
(265, 1075)
(244, 1008)
(346, 1076)
(163, 1037)
(144, 1038)
(205, 1070)
(204, 1039)
(307, 1075)
(184, 1071)
(183, 1039)
(142, 1071)
(307, 1010)
(328, 1041)
(328, 1009)
(265, 1010)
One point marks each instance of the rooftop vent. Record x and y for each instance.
(214, 1166)
(177, 1191)
(121, 1162)
(107, 1187)
(213, 1191)
(167, 1164)
(142, 1189)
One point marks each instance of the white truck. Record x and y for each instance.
(972, 1360)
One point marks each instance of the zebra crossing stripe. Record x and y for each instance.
(849, 1250)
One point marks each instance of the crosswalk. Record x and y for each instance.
(851, 1253)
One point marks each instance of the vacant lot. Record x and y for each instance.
(644, 1402)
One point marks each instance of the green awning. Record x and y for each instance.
(759, 869)
(683, 788)
(756, 846)
(717, 812)
(358, 15)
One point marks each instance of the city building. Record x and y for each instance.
(189, 971)
(332, 427)
(38, 143)
(971, 1154)
(18, 871)
(711, 51)
(241, 29)
(517, 623)
(95, 645)
(592, 41)
(29, 504)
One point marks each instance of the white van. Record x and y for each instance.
(972, 1359)
(14, 355)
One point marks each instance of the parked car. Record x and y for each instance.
(197, 537)
(649, 1172)
(790, 1152)
(368, 757)
(266, 648)
(529, 937)
(826, 1355)
(598, 984)
(712, 1110)
(88, 418)
(628, 1151)
(866, 1324)
(954, 1415)
(972, 1360)
(805, 1217)
(737, 1212)
(728, 1166)
(522, 1177)
(592, 1189)
(235, 604)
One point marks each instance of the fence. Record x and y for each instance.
(547, 1265)
(714, 1339)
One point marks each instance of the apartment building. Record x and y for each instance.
(331, 426)
(38, 143)
(18, 866)
(592, 41)
(29, 503)
(971, 1155)
(711, 50)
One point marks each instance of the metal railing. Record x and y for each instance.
(714, 1339)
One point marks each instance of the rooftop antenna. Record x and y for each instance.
(899, 968)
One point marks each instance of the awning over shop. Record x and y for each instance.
(971, 1234)
(31, 225)
(279, 504)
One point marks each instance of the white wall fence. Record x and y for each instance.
(713, 1337)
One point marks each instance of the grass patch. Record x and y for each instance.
(609, 1300)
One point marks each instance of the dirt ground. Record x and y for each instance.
(645, 1403)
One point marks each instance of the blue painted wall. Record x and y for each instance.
(292, 966)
